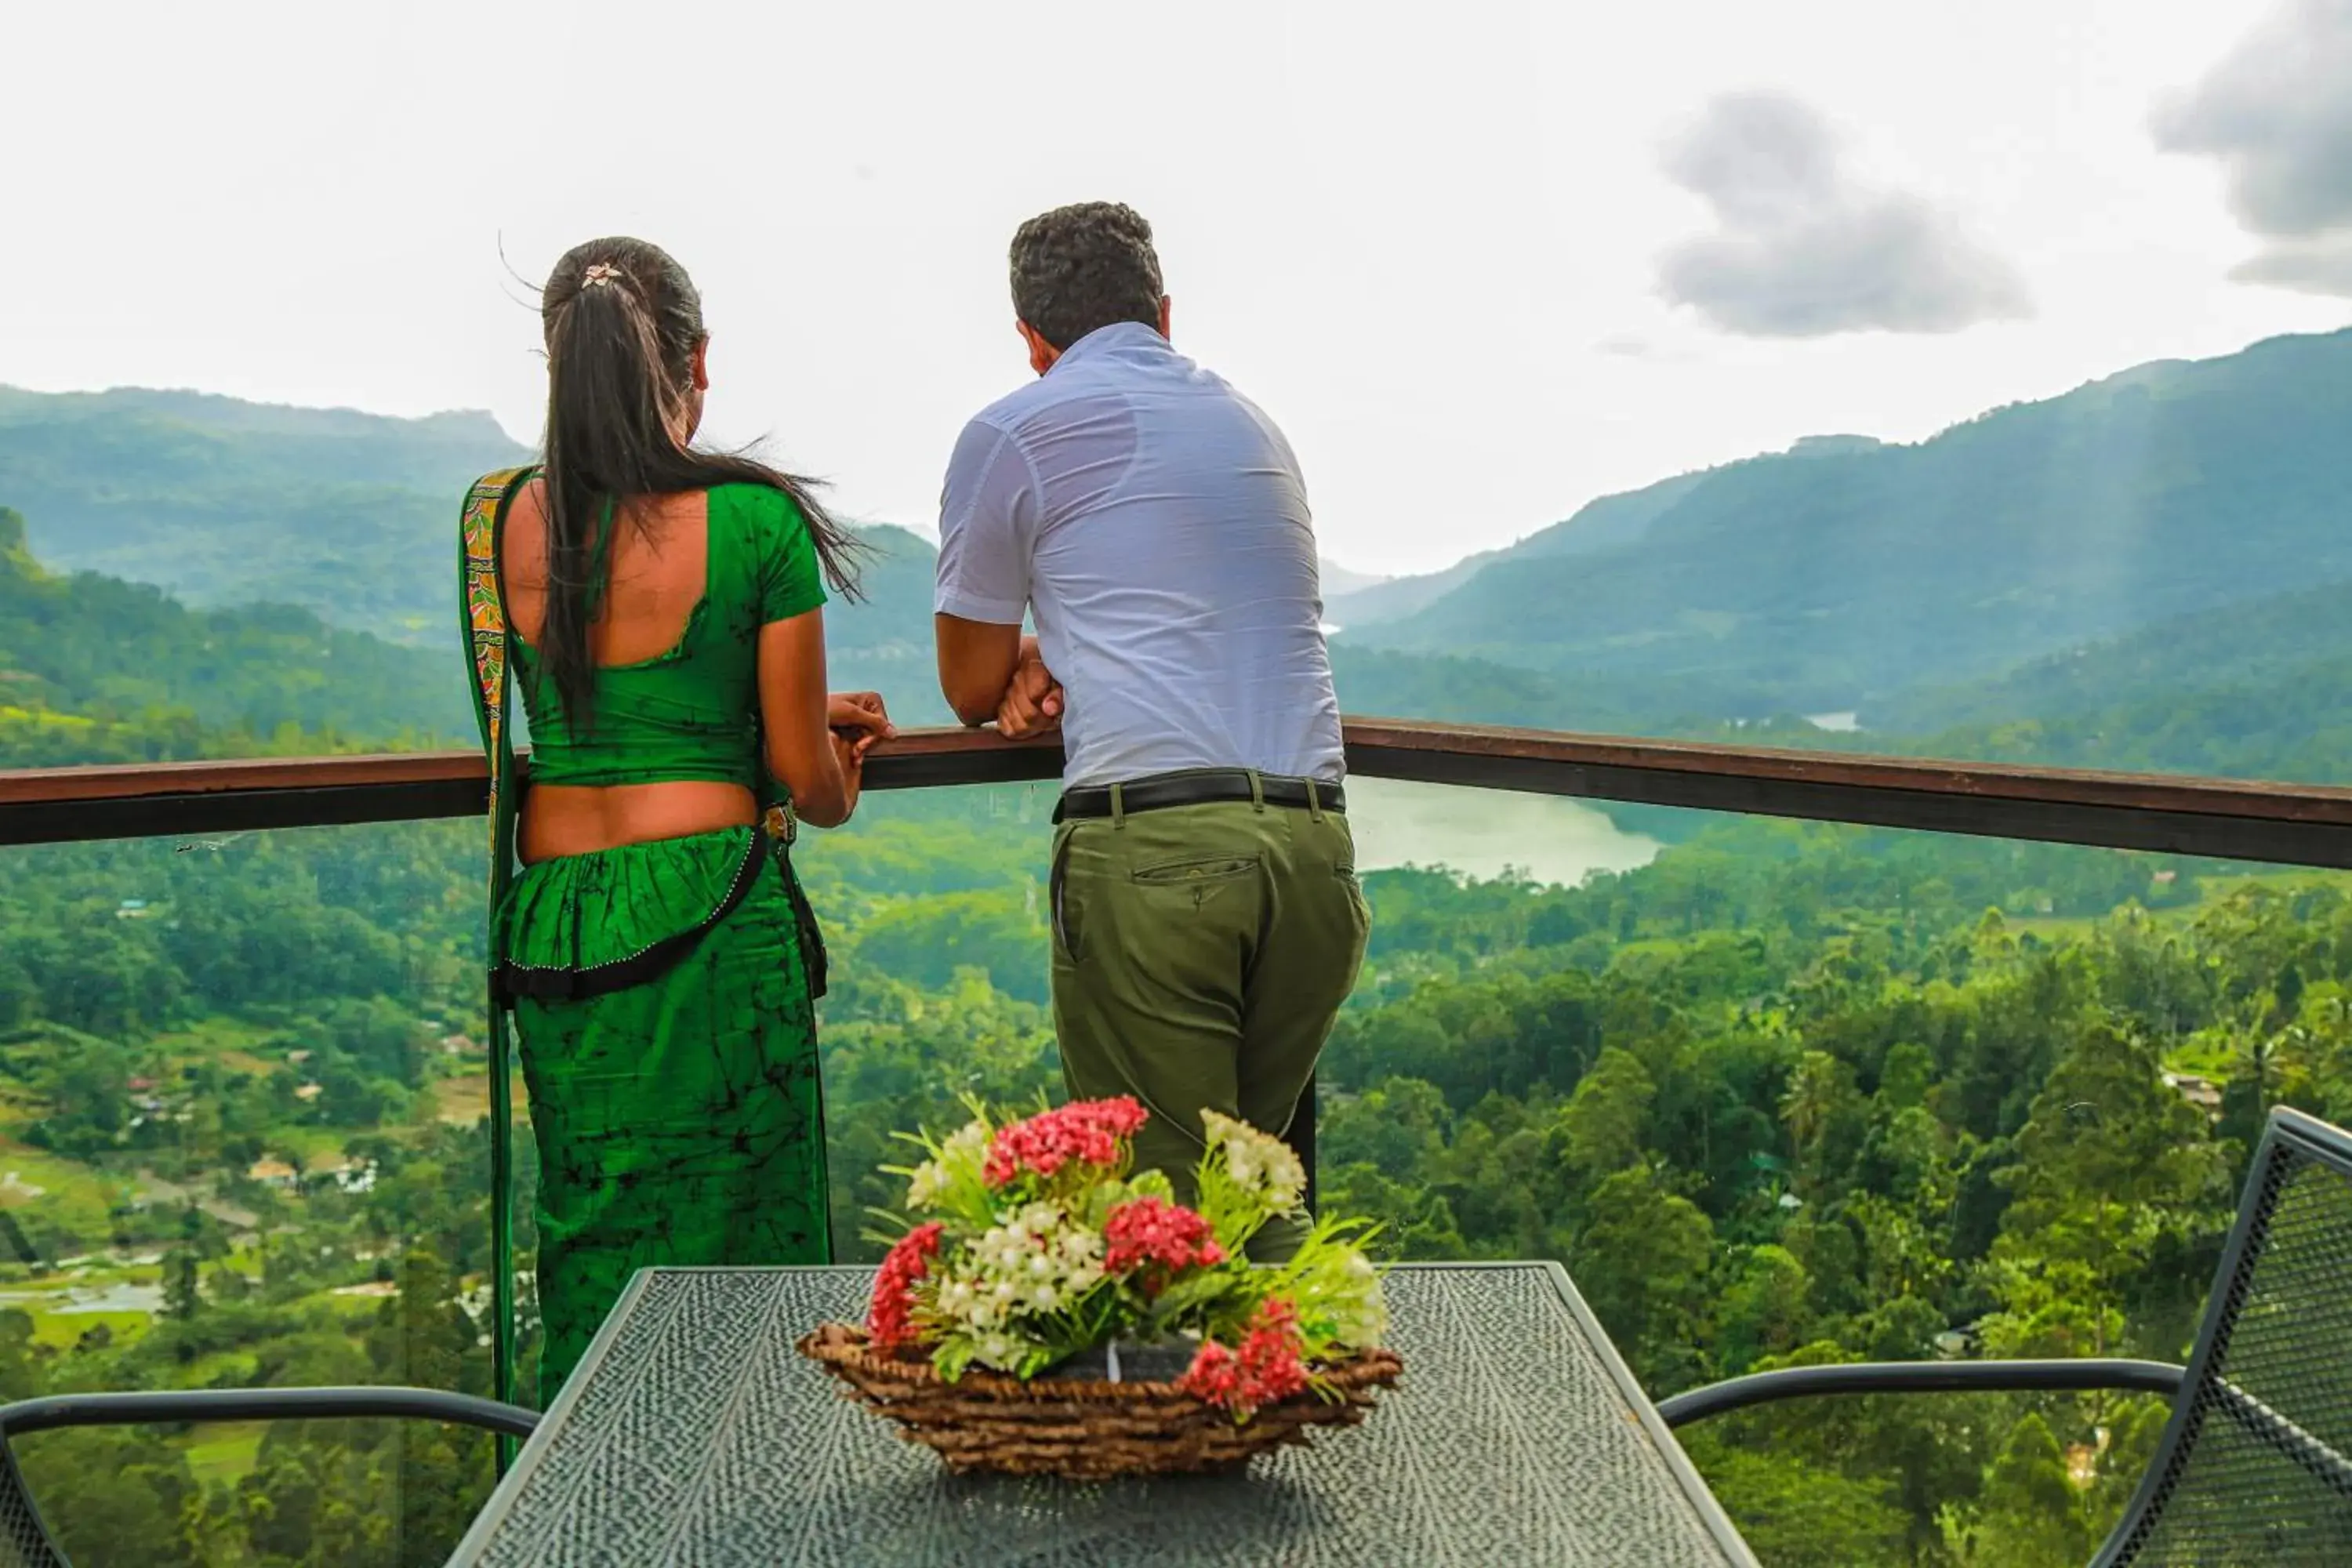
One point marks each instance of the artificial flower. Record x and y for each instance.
(1260, 1164)
(1033, 1243)
(1154, 1232)
(888, 1319)
(1086, 1131)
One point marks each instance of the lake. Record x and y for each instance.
(1484, 832)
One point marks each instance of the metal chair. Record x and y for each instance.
(2255, 1464)
(26, 1541)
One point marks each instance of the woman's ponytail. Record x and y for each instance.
(623, 324)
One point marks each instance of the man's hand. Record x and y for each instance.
(1031, 704)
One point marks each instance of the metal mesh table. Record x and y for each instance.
(693, 1435)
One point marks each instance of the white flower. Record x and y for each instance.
(1354, 1304)
(1259, 1163)
(961, 1155)
(1037, 1260)
(1001, 1351)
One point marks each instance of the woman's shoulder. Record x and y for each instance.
(763, 512)
(754, 499)
(499, 482)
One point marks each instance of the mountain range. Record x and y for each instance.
(1841, 574)
(93, 668)
(2148, 570)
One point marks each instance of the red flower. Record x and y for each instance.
(1146, 1231)
(1089, 1132)
(1271, 1366)
(1267, 1371)
(887, 1320)
(1215, 1377)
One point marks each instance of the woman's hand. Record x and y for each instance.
(859, 715)
(816, 740)
(849, 756)
(855, 720)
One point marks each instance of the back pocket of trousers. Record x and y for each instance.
(1182, 873)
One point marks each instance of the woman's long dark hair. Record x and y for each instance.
(622, 322)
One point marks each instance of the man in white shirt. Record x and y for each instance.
(1207, 920)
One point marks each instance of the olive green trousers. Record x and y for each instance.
(1201, 953)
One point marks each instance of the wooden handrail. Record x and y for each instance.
(2255, 820)
(1390, 741)
(896, 764)
(53, 787)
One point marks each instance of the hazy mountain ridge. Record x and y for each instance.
(2270, 642)
(1611, 519)
(1833, 579)
(350, 516)
(220, 501)
(2079, 563)
(96, 669)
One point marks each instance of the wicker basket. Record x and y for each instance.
(1082, 1428)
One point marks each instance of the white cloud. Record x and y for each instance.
(2277, 114)
(1804, 250)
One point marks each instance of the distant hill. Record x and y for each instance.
(885, 644)
(1597, 525)
(2122, 576)
(351, 516)
(1834, 577)
(2257, 690)
(1386, 684)
(2260, 688)
(221, 501)
(1338, 579)
(95, 669)
(2263, 642)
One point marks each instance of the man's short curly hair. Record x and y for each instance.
(1078, 268)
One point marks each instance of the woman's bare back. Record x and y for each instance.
(660, 565)
(660, 568)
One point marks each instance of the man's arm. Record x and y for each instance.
(977, 660)
(988, 527)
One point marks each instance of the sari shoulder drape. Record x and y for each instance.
(485, 632)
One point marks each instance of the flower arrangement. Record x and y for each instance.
(1027, 1243)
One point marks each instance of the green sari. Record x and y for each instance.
(663, 994)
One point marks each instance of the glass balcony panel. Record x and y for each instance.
(1781, 1092)
(935, 912)
(243, 1146)
(1772, 1091)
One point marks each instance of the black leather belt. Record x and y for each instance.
(1200, 788)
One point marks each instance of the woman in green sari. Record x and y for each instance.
(660, 606)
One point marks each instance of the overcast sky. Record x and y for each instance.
(1482, 262)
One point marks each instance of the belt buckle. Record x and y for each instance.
(783, 824)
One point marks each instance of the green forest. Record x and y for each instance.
(1786, 1094)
